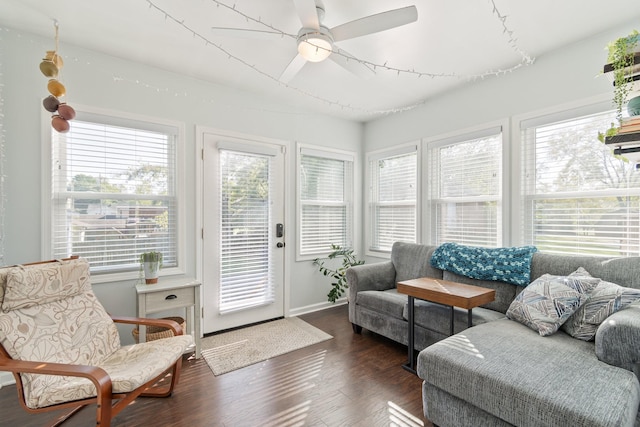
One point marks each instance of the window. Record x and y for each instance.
(113, 192)
(578, 197)
(465, 177)
(325, 197)
(392, 197)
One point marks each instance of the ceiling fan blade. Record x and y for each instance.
(375, 23)
(351, 63)
(292, 69)
(307, 12)
(247, 33)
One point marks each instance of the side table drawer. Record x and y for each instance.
(175, 298)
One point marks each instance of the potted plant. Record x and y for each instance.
(151, 263)
(338, 274)
(620, 61)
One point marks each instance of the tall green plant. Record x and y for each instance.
(339, 284)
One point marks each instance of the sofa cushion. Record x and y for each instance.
(510, 265)
(437, 317)
(505, 369)
(550, 300)
(505, 292)
(388, 302)
(411, 261)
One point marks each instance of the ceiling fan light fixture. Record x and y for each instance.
(315, 45)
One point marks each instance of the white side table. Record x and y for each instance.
(170, 293)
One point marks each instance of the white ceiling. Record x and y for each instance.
(464, 38)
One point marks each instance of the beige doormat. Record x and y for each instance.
(233, 350)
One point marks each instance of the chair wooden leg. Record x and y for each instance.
(62, 418)
(165, 391)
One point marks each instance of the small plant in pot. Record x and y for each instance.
(339, 285)
(151, 263)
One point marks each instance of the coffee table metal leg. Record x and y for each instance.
(451, 321)
(469, 323)
(411, 364)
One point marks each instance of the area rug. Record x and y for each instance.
(233, 350)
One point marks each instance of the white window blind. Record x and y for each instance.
(466, 190)
(325, 201)
(578, 197)
(392, 199)
(114, 193)
(246, 270)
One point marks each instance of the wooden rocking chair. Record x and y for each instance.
(64, 350)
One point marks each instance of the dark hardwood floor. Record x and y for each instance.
(350, 380)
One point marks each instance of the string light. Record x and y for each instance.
(511, 40)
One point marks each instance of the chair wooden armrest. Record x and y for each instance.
(96, 375)
(164, 323)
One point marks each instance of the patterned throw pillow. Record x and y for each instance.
(604, 300)
(550, 300)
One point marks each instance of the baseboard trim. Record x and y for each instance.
(315, 307)
(6, 378)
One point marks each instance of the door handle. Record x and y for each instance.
(280, 245)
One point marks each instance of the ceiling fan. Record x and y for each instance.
(316, 42)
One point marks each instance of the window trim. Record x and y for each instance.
(518, 122)
(371, 156)
(329, 153)
(483, 130)
(47, 186)
(568, 111)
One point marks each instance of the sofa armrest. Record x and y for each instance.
(618, 339)
(370, 277)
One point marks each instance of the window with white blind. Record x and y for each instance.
(246, 261)
(325, 201)
(392, 197)
(578, 198)
(465, 178)
(113, 192)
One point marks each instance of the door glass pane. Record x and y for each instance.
(246, 272)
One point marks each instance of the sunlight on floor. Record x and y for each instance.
(292, 417)
(398, 417)
(288, 378)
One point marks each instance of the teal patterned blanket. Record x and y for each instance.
(511, 265)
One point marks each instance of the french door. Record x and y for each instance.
(243, 219)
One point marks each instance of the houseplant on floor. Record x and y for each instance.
(339, 285)
(151, 263)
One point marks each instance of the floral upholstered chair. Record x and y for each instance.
(63, 347)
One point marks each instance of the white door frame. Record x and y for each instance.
(199, 195)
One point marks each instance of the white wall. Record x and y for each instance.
(567, 76)
(111, 83)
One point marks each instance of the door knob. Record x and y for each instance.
(280, 245)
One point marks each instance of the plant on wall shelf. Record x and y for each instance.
(339, 285)
(621, 59)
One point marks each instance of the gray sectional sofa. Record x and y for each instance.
(500, 372)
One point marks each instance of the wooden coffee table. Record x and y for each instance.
(445, 292)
